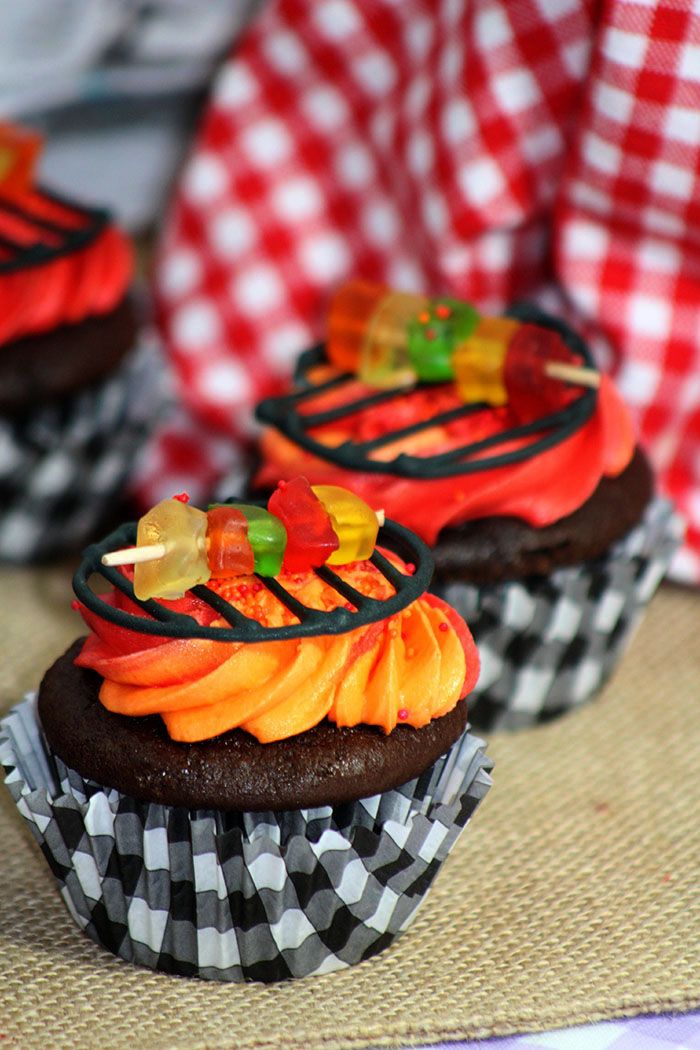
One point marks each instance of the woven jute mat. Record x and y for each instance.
(574, 896)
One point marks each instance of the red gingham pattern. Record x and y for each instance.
(497, 149)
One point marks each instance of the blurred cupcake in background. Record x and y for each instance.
(496, 440)
(79, 387)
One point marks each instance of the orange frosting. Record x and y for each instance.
(410, 668)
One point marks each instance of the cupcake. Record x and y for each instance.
(255, 764)
(499, 444)
(76, 391)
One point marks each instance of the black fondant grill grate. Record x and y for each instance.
(69, 238)
(283, 413)
(171, 624)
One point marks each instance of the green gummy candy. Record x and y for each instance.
(431, 344)
(267, 536)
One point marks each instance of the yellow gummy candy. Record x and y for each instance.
(479, 360)
(182, 530)
(384, 358)
(353, 521)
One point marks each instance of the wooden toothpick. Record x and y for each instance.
(134, 555)
(573, 374)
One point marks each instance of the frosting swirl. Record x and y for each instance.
(410, 668)
(539, 490)
(64, 287)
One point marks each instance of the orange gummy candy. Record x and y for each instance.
(228, 550)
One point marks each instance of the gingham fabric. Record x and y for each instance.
(234, 897)
(545, 148)
(63, 465)
(549, 643)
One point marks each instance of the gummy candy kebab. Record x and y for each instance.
(390, 338)
(179, 546)
(425, 431)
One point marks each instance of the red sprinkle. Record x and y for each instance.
(410, 568)
(257, 587)
(182, 497)
(444, 626)
(430, 334)
(443, 311)
(350, 607)
(403, 714)
(243, 590)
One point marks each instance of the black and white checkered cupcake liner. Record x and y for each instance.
(240, 896)
(547, 644)
(62, 465)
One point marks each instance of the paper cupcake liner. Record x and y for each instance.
(63, 464)
(240, 896)
(548, 643)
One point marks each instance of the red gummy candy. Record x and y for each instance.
(229, 552)
(310, 536)
(533, 394)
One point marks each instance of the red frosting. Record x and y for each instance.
(64, 288)
(539, 490)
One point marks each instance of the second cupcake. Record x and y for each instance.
(539, 505)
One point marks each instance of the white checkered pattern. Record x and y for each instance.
(63, 465)
(549, 643)
(240, 896)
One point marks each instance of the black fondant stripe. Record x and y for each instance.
(163, 621)
(72, 239)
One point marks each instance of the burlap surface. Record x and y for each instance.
(574, 895)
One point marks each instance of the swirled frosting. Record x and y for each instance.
(410, 668)
(539, 490)
(60, 288)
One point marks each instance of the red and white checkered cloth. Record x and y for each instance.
(492, 149)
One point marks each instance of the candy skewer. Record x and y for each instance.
(155, 551)
(394, 339)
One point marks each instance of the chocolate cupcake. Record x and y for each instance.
(259, 779)
(539, 505)
(77, 390)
